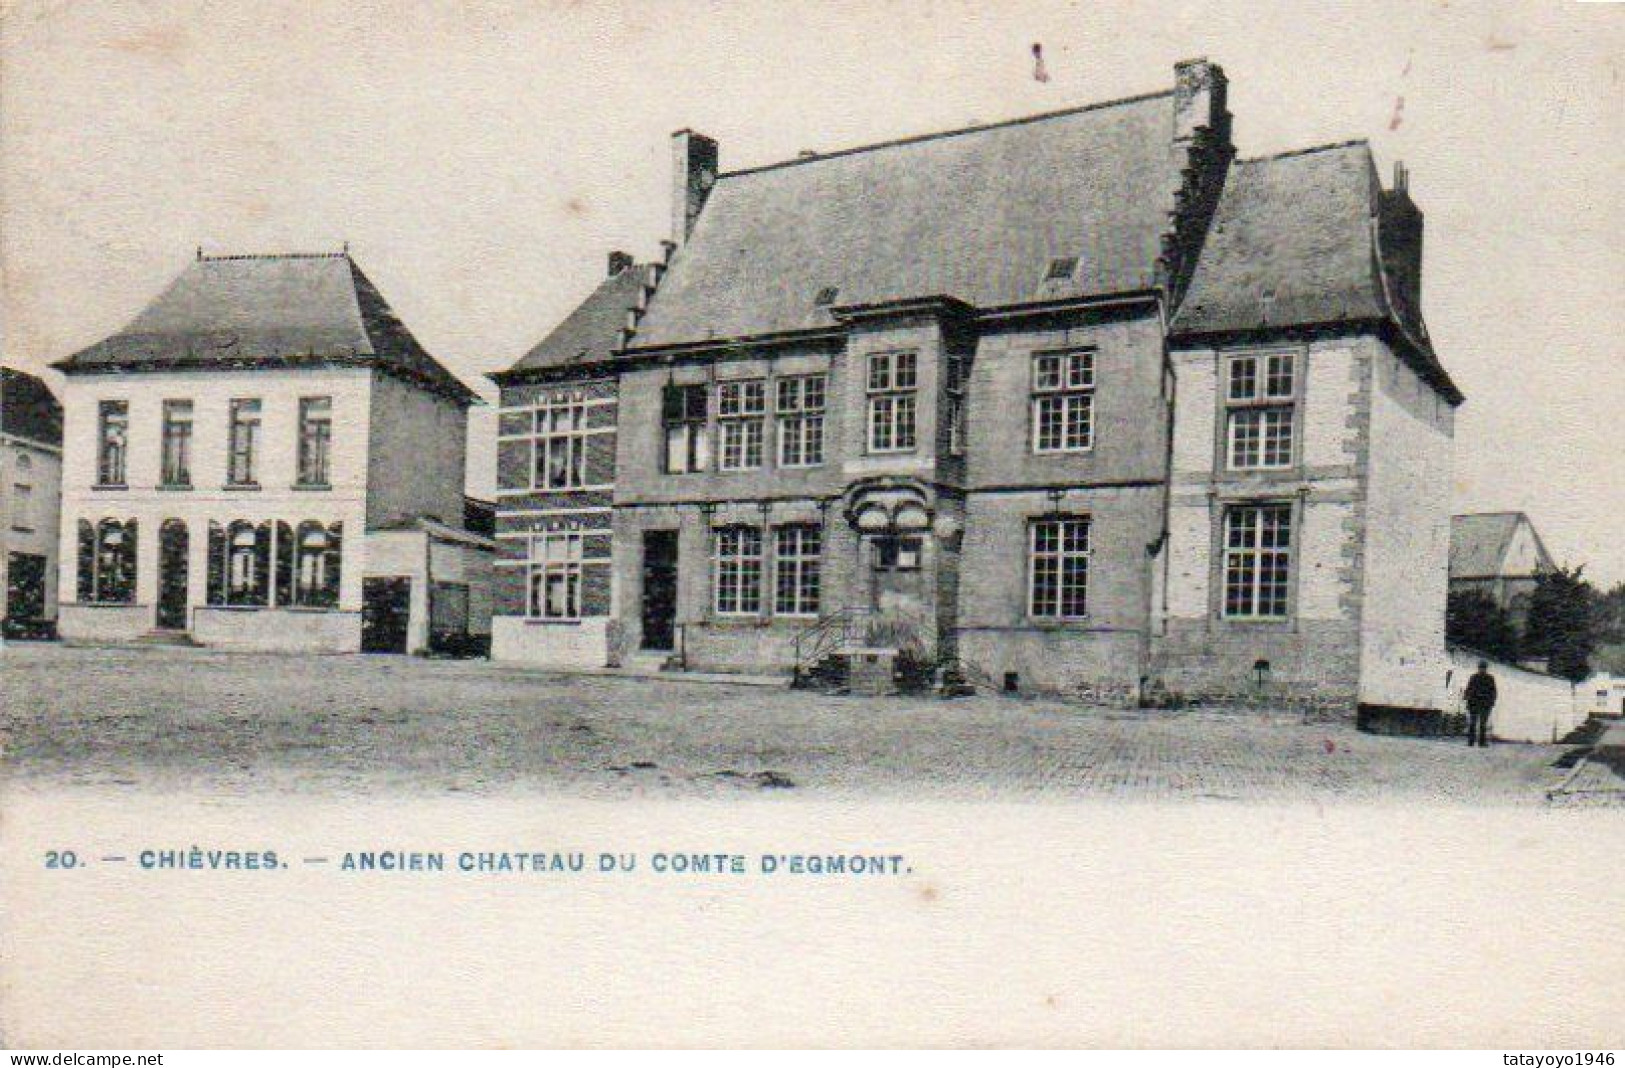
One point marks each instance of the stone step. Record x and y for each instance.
(721, 678)
(166, 637)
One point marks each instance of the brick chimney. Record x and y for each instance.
(1201, 154)
(694, 172)
(1399, 232)
(1200, 99)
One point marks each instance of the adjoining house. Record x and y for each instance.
(30, 484)
(1603, 694)
(1500, 555)
(1076, 401)
(267, 458)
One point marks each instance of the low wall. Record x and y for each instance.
(762, 648)
(1529, 706)
(103, 622)
(584, 644)
(277, 629)
(1101, 667)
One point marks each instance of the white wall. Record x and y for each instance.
(1529, 707)
(417, 453)
(279, 392)
(583, 644)
(1407, 547)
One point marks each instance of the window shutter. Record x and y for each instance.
(127, 558)
(217, 564)
(335, 543)
(284, 564)
(262, 564)
(87, 562)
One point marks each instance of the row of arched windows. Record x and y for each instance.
(249, 564)
(252, 565)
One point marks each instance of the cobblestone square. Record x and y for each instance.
(188, 719)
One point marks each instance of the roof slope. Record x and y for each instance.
(28, 408)
(589, 333)
(1293, 244)
(259, 310)
(976, 215)
(1289, 245)
(1479, 542)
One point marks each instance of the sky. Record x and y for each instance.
(482, 158)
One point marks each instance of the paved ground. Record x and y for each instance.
(180, 718)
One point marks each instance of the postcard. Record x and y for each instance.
(782, 524)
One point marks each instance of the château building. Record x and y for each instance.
(1078, 401)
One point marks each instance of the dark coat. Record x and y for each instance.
(1481, 692)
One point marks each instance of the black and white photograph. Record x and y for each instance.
(812, 524)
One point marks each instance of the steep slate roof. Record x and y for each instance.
(976, 215)
(28, 408)
(590, 333)
(267, 310)
(1292, 244)
(1478, 543)
(1297, 226)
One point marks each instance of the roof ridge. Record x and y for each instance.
(938, 135)
(1328, 147)
(210, 258)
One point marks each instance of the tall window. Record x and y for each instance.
(244, 441)
(177, 443)
(893, 379)
(559, 456)
(316, 562)
(956, 405)
(739, 571)
(248, 564)
(688, 444)
(22, 507)
(796, 577)
(554, 577)
(1063, 401)
(1058, 566)
(113, 439)
(741, 418)
(315, 440)
(1259, 395)
(1257, 560)
(800, 408)
(107, 562)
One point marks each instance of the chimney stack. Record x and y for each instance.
(618, 262)
(1399, 229)
(694, 172)
(1200, 98)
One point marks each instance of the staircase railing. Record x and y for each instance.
(831, 633)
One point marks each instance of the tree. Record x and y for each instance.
(1562, 625)
(1474, 620)
(1610, 615)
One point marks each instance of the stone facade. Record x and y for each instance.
(944, 545)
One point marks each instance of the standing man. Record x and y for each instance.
(1480, 700)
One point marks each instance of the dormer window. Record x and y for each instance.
(1061, 269)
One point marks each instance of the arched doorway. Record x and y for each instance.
(173, 543)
